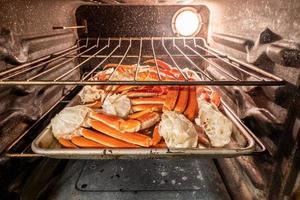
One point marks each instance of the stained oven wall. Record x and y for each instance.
(266, 34)
(26, 32)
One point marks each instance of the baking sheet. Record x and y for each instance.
(47, 145)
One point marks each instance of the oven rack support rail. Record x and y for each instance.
(188, 49)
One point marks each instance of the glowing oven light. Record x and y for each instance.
(187, 23)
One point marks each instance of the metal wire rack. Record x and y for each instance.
(192, 53)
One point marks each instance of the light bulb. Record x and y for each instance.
(187, 23)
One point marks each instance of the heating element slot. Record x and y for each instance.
(180, 53)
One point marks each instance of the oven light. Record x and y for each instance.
(186, 22)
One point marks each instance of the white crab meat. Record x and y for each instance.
(217, 127)
(118, 105)
(177, 130)
(66, 123)
(90, 94)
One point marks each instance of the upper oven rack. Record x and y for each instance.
(191, 50)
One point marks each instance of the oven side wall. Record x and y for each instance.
(260, 32)
(29, 25)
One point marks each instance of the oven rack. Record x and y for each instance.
(181, 52)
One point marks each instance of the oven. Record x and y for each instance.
(247, 52)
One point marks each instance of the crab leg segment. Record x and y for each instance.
(160, 63)
(140, 93)
(114, 65)
(147, 100)
(192, 107)
(140, 123)
(182, 100)
(110, 120)
(138, 114)
(171, 98)
(85, 143)
(149, 119)
(134, 138)
(66, 143)
(141, 107)
(147, 91)
(105, 140)
(130, 125)
(124, 88)
(156, 136)
(147, 75)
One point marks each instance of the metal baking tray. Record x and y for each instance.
(244, 143)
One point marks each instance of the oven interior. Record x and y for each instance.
(248, 51)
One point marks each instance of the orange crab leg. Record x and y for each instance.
(192, 108)
(152, 76)
(110, 120)
(66, 143)
(147, 100)
(160, 63)
(105, 140)
(85, 143)
(140, 123)
(176, 73)
(147, 91)
(142, 107)
(149, 119)
(138, 114)
(123, 88)
(140, 93)
(182, 100)
(167, 73)
(142, 76)
(103, 76)
(134, 138)
(130, 125)
(171, 98)
(156, 138)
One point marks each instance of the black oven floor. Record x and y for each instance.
(187, 178)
